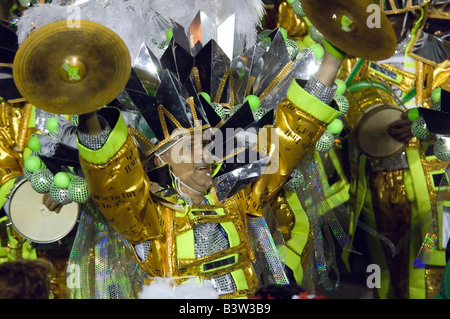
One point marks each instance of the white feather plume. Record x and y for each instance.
(145, 21)
(248, 14)
(135, 21)
(166, 288)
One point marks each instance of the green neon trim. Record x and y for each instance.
(419, 183)
(31, 120)
(354, 71)
(28, 251)
(308, 23)
(337, 53)
(294, 263)
(114, 143)
(437, 258)
(217, 169)
(210, 199)
(5, 189)
(228, 227)
(308, 103)
(365, 84)
(340, 188)
(185, 245)
(299, 236)
(239, 279)
(414, 29)
(233, 236)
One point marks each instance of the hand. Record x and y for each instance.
(400, 130)
(51, 205)
(330, 65)
(89, 123)
(328, 69)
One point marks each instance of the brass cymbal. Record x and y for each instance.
(69, 71)
(375, 42)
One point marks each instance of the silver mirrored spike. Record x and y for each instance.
(181, 36)
(229, 181)
(148, 68)
(306, 66)
(220, 63)
(241, 68)
(432, 48)
(201, 30)
(225, 35)
(274, 61)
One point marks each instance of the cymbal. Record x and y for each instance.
(69, 71)
(356, 38)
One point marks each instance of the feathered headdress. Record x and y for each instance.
(204, 60)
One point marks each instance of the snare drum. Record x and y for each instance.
(33, 221)
(372, 109)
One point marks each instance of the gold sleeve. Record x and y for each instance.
(120, 189)
(14, 136)
(301, 120)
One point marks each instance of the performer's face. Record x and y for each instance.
(191, 162)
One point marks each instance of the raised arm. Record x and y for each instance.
(115, 175)
(328, 69)
(301, 119)
(89, 123)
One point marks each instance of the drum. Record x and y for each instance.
(33, 221)
(372, 108)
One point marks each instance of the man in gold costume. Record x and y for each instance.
(171, 227)
(181, 227)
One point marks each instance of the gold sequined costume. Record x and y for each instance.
(139, 216)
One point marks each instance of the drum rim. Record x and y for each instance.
(13, 191)
(364, 118)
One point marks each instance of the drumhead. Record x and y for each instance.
(372, 136)
(33, 221)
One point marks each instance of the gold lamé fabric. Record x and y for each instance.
(284, 215)
(14, 136)
(295, 26)
(125, 200)
(393, 220)
(408, 79)
(433, 279)
(285, 218)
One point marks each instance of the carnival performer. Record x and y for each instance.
(174, 239)
(331, 194)
(395, 192)
(176, 205)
